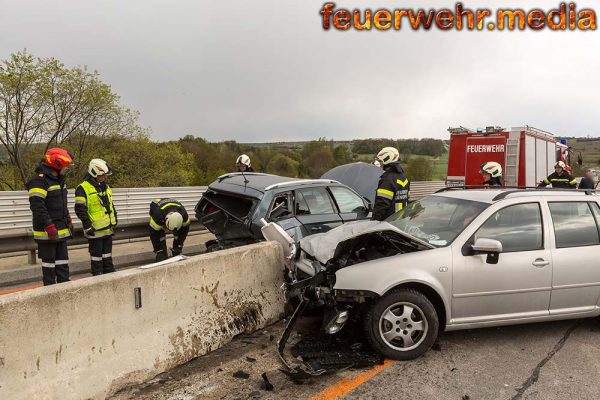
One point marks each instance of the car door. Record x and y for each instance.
(575, 255)
(315, 210)
(350, 205)
(281, 211)
(519, 285)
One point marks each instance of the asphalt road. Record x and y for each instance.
(558, 360)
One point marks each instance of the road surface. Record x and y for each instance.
(547, 361)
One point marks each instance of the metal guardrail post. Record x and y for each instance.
(31, 257)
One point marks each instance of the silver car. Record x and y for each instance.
(458, 259)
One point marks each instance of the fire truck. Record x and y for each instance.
(527, 155)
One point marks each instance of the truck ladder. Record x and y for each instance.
(511, 163)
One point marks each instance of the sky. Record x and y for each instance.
(265, 70)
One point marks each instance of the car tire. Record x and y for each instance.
(402, 325)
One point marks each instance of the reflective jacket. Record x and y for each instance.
(159, 209)
(564, 180)
(94, 207)
(392, 192)
(48, 203)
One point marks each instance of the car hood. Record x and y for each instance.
(324, 246)
(360, 176)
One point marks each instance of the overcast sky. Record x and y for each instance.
(264, 70)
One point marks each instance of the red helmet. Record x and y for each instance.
(58, 158)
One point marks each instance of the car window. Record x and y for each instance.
(437, 220)
(280, 207)
(347, 200)
(517, 227)
(574, 224)
(313, 201)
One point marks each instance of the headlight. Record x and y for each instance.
(337, 322)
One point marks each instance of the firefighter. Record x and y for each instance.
(587, 182)
(492, 173)
(243, 164)
(393, 187)
(168, 215)
(560, 178)
(377, 163)
(94, 207)
(52, 224)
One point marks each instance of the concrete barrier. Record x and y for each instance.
(86, 339)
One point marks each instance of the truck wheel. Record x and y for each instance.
(402, 325)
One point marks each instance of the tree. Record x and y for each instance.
(44, 104)
(419, 169)
(283, 165)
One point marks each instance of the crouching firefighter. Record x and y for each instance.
(393, 188)
(168, 215)
(94, 207)
(52, 224)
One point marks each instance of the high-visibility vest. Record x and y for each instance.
(101, 213)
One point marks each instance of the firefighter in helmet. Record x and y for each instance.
(243, 164)
(560, 178)
(168, 215)
(492, 173)
(94, 207)
(393, 188)
(52, 224)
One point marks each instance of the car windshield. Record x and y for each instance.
(437, 220)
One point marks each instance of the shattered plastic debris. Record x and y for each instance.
(241, 375)
(265, 384)
(336, 352)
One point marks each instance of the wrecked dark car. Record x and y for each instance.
(232, 207)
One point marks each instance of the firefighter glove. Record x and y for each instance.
(90, 231)
(51, 231)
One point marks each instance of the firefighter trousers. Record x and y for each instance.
(101, 255)
(55, 261)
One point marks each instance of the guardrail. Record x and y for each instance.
(132, 205)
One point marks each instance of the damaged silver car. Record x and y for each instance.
(458, 259)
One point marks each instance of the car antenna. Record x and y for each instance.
(246, 181)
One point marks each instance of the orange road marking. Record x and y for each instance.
(19, 289)
(36, 285)
(346, 385)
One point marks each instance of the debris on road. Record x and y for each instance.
(265, 384)
(250, 359)
(241, 375)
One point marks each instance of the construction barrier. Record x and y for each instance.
(92, 337)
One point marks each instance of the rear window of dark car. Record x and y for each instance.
(237, 206)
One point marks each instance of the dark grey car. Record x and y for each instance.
(233, 206)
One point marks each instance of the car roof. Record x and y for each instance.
(255, 184)
(493, 195)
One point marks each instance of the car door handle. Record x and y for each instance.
(316, 228)
(540, 262)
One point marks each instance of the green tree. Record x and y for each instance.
(283, 165)
(44, 104)
(419, 169)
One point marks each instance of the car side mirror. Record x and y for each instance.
(491, 247)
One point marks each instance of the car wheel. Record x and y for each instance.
(402, 325)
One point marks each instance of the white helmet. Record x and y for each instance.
(493, 168)
(388, 155)
(99, 167)
(560, 164)
(173, 221)
(243, 160)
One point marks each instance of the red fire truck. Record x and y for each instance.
(527, 154)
